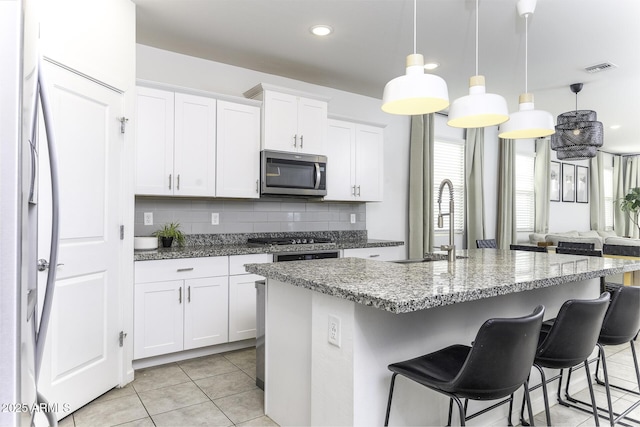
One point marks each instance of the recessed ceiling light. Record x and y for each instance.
(431, 65)
(614, 127)
(321, 30)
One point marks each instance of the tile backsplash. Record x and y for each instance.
(248, 216)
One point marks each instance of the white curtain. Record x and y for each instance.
(542, 186)
(421, 186)
(626, 175)
(596, 191)
(474, 191)
(506, 230)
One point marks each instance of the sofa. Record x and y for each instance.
(598, 238)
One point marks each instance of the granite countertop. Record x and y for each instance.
(403, 288)
(197, 251)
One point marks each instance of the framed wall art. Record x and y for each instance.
(556, 186)
(582, 184)
(568, 182)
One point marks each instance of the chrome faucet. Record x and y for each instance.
(450, 248)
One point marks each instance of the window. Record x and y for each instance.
(608, 197)
(525, 192)
(448, 163)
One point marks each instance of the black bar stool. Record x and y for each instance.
(567, 341)
(620, 326)
(495, 366)
(486, 243)
(528, 248)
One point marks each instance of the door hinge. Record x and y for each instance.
(121, 338)
(122, 232)
(123, 123)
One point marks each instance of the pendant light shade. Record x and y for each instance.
(578, 134)
(527, 122)
(416, 92)
(478, 109)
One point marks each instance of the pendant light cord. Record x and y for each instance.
(477, 12)
(415, 8)
(526, 53)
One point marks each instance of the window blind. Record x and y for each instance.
(608, 197)
(448, 163)
(525, 192)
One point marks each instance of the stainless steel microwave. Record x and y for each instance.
(293, 174)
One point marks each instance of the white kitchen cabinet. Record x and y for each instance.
(242, 296)
(355, 167)
(175, 144)
(237, 150)
(384, 253)
(292, 121)
(180, 304)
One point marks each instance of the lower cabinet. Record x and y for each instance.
(175, 309)
(242, 296)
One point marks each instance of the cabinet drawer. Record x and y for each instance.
(386, 253)
(180, 269)
(237, 262)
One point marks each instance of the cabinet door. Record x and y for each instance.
(369, 165)
(195, 146)
(206, 312)
(154, 141)
(238, 150)
(340, 160)
(242, 306)
(280, 121)
(158, 321)
(312, 126)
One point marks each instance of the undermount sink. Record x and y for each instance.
(428, 258)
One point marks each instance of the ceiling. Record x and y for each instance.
(372, 38)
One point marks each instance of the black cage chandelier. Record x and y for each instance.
(578, 133)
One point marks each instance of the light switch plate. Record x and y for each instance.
(334, 330)
(215, 218)
(148, 218)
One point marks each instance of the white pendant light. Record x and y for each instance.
(527, 122)
(479, 108)
(415, 93)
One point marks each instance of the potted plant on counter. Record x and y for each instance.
(631, 205)
(168, 233)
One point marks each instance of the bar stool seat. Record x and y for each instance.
(494, 367)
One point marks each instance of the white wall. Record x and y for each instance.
(385, 220)
(568, 216)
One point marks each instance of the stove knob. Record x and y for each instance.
(311, 241)
(303, 241)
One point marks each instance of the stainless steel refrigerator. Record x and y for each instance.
(23, 323)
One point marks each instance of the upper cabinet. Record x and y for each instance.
(354, 161)
(198, 146)
(175, 144)
(238, 150)
(291, 120)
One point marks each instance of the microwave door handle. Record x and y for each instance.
(317, 165)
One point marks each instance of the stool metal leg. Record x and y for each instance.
(593, 397)
(393, 381)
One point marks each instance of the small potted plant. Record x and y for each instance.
(630, 204)
(168, 233)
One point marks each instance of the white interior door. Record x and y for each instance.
(82, 347)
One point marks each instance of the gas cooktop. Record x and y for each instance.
(262, 241)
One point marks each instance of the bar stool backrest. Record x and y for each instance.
(577, 245)
(622, 321)
(574, 333)
(501, 357)
(486, 243)
(528, 248)
(578, 251)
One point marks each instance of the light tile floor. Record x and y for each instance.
(220, 390)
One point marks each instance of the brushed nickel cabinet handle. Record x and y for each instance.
(301, 140)
(170, 179)
(180, 295)
(185, 269)
(188, 293)
(178, 186)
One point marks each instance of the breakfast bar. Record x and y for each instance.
(333, 326)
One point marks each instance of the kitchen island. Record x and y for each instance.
(383, 312)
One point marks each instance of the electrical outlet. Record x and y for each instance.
(353, 218)
(334, 330)
(148, 218)
(215, 218)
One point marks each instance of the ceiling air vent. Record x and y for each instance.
(600, 67)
